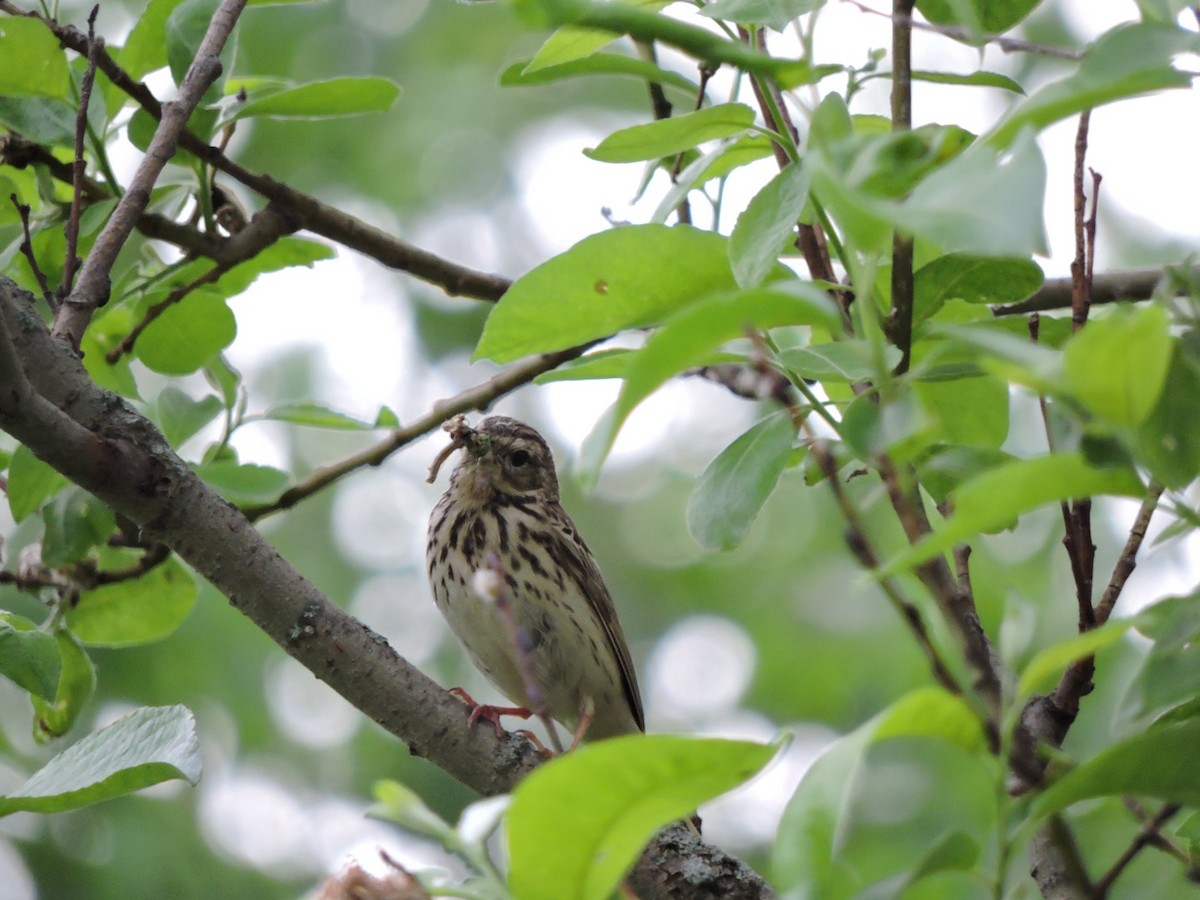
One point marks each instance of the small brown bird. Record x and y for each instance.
(552, 643)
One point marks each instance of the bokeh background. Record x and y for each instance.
(782, 634)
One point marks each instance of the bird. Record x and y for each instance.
(520, 589)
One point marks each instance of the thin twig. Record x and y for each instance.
(125, 345)
(155, 556)
(1081, 298)
(810, 241)
(1127, 561)
(27, 250)
(478, 397)
(900, 321)
(79, 166)
(956, 603)
(18, 151)
(1076, 681)
(1147, 836)
(93, 285)
(1007, 44)
(860, 546)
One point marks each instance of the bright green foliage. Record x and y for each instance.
(521, 73)
(572, 842)
(30, 482)
(686, 338)
(610, 281)
(146, 747)
(1153, 764)
(33, 61)
(53, 716)
(1127, 61)
(833, 839)
(1117, 366)
(244, 483)
(994, 499)
(323, 99)
(28, 657)
(76, 522)
(975, 279)
(120, 615)
(670, 136)
(735, 485)
(767, 224)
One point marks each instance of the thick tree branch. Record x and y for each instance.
(93, 286)
(99, 442)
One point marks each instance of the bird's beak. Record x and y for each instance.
(462, 435)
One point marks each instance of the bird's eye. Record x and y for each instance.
(519, 458)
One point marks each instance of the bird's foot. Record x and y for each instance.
(489, 713)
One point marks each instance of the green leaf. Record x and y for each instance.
(1117, 365)
(840, 361)
(686, 338)
(572, 42)
(736, 484)
(945, 468)
(137, 611)
(41, 119)
(519, 74)
(975, 79)
(225, 378)
(1170, 673)
(54, 717)
(148, 746)
(34, 63)
(1169, 438)
(322, 100)
(601, 364)
(145, 49)
(1050, 662)
(992, 16)
(767, 222)
(187, 335)
(667, 137)
(30, 482)
(982, 202)
(180, 417)
(971, 412)
(1158, 763)
(1014, 358)
(28, 657)
(627, 277)
(577, 823)
(185, 28)
(402, 805)
(1131, 59)
(998, 496)
(316, 416)
(975, 279)
(75, 523)
(830, 840)
(247, 483)
(777, 14)
(285, 253)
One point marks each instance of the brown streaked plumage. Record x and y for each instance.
(503, 505)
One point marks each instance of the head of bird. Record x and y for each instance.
(503, 457)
